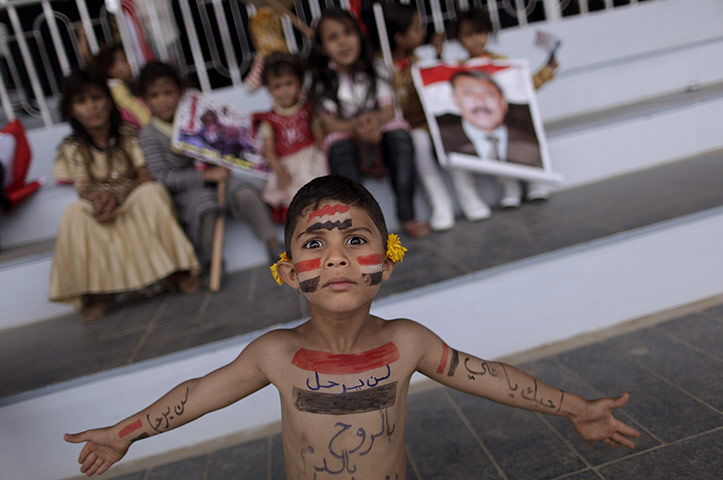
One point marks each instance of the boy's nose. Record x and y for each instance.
(336, 261)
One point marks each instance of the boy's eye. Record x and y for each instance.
(356, 241)
(312, 244)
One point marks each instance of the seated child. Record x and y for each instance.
(111, 63)
(194, 191)
(352, 93)
(343, 371)
(291, 134)
(473, 30)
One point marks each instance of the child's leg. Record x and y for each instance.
(399, 158)
(244, 202)
(442, 217)
(343, 159)
(473, 207)
(511, 192)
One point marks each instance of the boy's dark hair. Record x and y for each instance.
(477, 18)
(325, 80)
(398, 18)
(332, 187)
(478, 75)
(279, 63)
(104, 60)
(157, 70)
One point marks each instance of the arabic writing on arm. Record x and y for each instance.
(163, 422)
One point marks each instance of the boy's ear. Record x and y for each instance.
(387, 269)
(288, 274)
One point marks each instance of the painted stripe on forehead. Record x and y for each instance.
(347, 403)
(329, 225)
(328, 210)
(373, 259)
(308, 265)
(341, 364)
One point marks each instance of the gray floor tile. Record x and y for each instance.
(247, 461)
(522, 444)
(550, 372)
(278, 469)
(700, 330)
(660, 407)
(440, 444)
(698, 458)
(188, 469)
(675, 362)
(131, 476)
(715, 312)
(584, 475)
(166, 339)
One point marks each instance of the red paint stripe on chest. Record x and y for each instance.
(328, 210)
(307, 265)
(342, 364)
(373, 259)
(130, 428)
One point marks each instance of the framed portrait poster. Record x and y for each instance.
(217, 133)
(483, 116)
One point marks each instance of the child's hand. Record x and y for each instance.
(368, 129)
(100, 451)
(438, 43)
(596, 422)
(216, 174)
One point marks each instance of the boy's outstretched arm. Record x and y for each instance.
(505, 384)
(184, 403)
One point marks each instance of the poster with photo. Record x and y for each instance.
(221, 134)
(483, 116)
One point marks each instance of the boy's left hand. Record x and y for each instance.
(596, 422)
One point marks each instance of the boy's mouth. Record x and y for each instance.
(338, 284)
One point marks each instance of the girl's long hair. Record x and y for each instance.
(77, 83)
(325, 80)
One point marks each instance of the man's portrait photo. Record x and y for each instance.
(483, 117)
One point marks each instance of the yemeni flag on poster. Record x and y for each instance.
(216, 133)
(483, 116)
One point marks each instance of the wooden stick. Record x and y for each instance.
(217, 252)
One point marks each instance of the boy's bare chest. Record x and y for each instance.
(343, 415)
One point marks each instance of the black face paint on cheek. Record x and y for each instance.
(372, 279)
(329, 225)
(308, 286)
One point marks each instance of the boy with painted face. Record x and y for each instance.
(343, 375)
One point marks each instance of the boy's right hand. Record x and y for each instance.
(216, 173)
(102, 449)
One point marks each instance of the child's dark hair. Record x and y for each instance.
(398, 17)
(332, 187)
(78, 82)
(325, 82)
(157, 70)
(103, 61)
(279, 63)
(477, 18)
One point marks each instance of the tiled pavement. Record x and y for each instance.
(672, 370)
(64, 348)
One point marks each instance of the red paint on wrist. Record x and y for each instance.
(443, 361)
(130, 428)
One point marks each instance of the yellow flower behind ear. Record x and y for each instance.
(282, 258)
(395, 250)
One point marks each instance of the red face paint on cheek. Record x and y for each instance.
(308, 274)
(371, 268)
(308, 265)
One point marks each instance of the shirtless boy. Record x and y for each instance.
(343, 375)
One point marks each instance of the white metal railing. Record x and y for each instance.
(208, 39)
